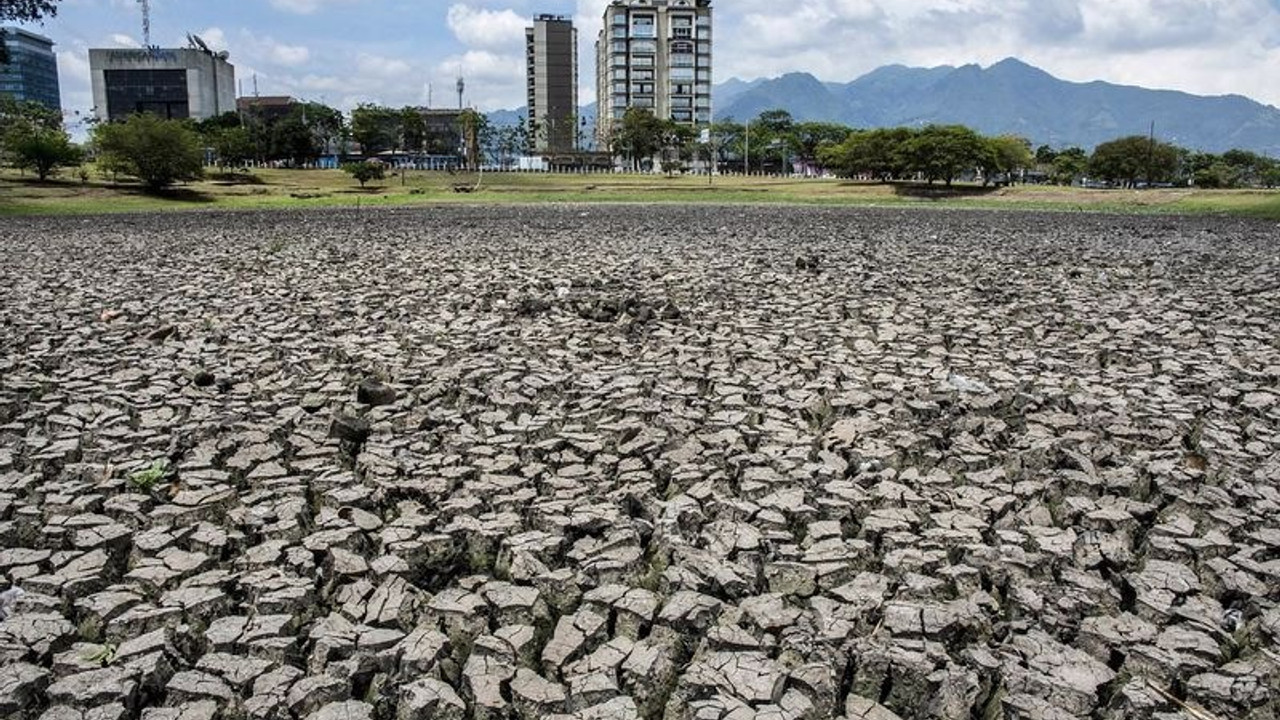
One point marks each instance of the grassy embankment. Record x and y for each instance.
(329, 188)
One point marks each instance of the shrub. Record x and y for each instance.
(42, 150)
(156, 151)
(365, 171)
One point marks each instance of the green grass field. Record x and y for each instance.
(294, 189)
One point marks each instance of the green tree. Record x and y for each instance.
(210, 126)
(726, 138)
(772, 135)
(23, 11)
(304, 134)
(365, 171)
(376, 128)
(639, 136)
(472, 126)
(678, 143)
(1045, 156)
(413, 130)
(508, 142)
(1070, 165)
(158, 152)
(778, 123)
(1271, 178)
(945, 152)
(1248, 167)
(1127, 159)
(233, 146)
(808, 139)
(15, 114)
(1007, 154)
(1217, 175)
(880, 153)
(42, 150)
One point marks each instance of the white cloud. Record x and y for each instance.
(302, 7)
(214, 38)
(122, 40)
(387, 68)
(290, 55)
(493, 80)
(481, 28)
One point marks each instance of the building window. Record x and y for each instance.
(162, 92)
(642, 26)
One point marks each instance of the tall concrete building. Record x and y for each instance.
(183, 83)
(552, 54)
(32, 71)
(654, 54)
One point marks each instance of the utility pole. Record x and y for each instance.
(1151, 154)
(747, 136)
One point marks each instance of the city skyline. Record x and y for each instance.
(396, 52)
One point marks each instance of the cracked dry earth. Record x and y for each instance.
(639, 463)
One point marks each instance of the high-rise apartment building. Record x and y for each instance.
(552, 54)
(654, 54)
(32, 71)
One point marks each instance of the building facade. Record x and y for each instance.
(552, 55)
(32, 71)
(183, 83)
(266, 108)
(654, 54)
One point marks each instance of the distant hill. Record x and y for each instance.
(1011, 97)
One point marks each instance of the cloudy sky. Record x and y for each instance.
(344, 52)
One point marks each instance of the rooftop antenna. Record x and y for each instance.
(146, 22)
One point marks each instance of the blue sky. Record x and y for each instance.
(344, 52)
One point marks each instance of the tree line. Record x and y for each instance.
(774, 142)
(160, 152)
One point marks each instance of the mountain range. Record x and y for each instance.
(1011, 97)
(1008, 97)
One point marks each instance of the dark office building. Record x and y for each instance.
(552, 59)
(32, 72)
(180, 83)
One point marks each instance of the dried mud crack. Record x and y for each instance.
(649, 463)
